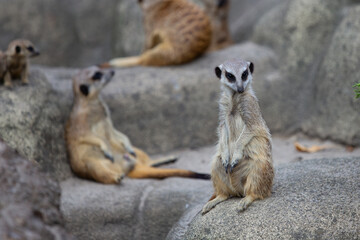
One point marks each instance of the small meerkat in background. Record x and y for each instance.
(242, 165)
(176, 32)
(17, 60)
(2, 65)
(218, 11)
(96, 149)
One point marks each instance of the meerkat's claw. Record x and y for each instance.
(120, 178)
(132, 153)
(109, 156)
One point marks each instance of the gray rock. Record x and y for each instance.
(32, 123)
(339, 120)
(29, 200)
(313, 199)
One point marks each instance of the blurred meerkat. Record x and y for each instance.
(17, 60)
(218, 11)
(176, 32)
(97, 150)
(2, 65)
(242, 166)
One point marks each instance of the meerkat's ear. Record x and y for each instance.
(218, 71)
(251, 67)
(221, 3)
(17, 49)
(84, 89)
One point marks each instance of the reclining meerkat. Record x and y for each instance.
(97, 150)
(218, 11)
(242, 165)
(176, 32)
(17, 60)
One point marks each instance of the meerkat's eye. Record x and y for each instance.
(17, 49)
(244, 75)
(97, 76)
(30, 48)
(230, 77)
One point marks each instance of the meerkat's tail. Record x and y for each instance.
(125, 62)
(162, 161)
(143, 171)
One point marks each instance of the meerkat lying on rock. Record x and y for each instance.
(242, 166)
(97, 150)
(218, 11)
(176, 32)
(17, 61)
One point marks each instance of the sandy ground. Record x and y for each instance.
(283, 152)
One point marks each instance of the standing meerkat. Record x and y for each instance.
(176, 32)
(218, 11)
(97, 150)
(17, 60)
(242, 165)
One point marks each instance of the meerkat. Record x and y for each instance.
(2, 65)
(218, 11)
(176, 32)
(17, 60)
(96, 149)
(242, 165)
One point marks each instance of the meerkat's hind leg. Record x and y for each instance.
(245, 202)
(211, 204)
(162, 161)
(100, 171)
(7, 80)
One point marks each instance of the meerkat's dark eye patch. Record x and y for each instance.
(251, 67)
(244, 75)
(30, 48)
(230, 77)
(97, 76)
(218, 72)
(221, 3)
(84, 89)
(17, 49)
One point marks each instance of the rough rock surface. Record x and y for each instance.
(29, 200)
(316, 44)
(313, 199)
(32, 123)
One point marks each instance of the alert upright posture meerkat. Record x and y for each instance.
(218, 11)
(176, 32)
(242, 166)
(17, 60)
(97, 150)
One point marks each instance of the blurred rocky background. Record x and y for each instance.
(306, 55)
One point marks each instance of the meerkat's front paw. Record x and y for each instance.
(245, 203)
(225, 160)
(120, 178)
(109, 156)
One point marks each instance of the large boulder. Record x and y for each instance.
(306, 37)
(29, 200)
(32, 122)
(313, 199)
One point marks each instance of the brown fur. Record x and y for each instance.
(97, 150)
(2, 65)
(176, 32)
(242, 166)
(17, 60)
(218, 11)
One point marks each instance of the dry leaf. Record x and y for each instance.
(312, 149)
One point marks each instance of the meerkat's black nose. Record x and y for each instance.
(240, 89)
